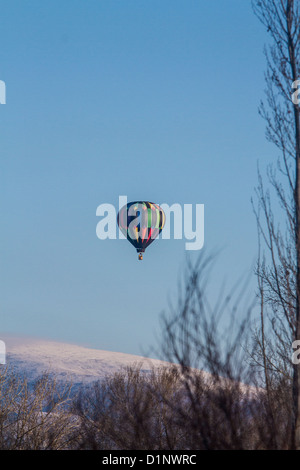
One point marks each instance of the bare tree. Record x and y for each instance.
(224, 405)
(209, 346)
(208, 397)
(129, 410)
(35, 417)
(278, 268)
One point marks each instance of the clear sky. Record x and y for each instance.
(156, 100)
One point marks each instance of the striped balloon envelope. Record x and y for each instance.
(141, 222)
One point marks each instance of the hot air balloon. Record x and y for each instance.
(141, 222)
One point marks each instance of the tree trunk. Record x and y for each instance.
(296, 376)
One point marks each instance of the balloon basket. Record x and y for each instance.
(140, 256)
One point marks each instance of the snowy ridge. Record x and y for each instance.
(68, 362)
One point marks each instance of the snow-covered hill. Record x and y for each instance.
(33, 357)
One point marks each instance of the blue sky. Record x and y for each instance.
(156, 100)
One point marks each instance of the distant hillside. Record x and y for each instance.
(33, 357)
